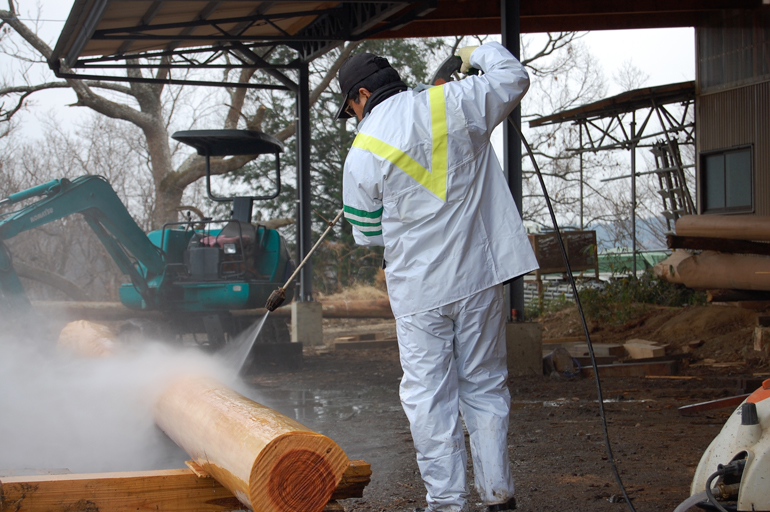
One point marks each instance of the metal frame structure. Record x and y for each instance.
(611, 124)
(229, 48)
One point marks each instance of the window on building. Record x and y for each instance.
(727, 181)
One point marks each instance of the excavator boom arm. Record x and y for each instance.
(94, 198)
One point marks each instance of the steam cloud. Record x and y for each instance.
(58, 410)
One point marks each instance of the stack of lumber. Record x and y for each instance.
(735, 255)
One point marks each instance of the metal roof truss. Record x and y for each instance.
(231, 49)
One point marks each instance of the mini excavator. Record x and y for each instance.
(194, 272)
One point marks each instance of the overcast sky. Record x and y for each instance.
(665, 55)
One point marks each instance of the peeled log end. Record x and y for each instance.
(297, 472)
(87, 339)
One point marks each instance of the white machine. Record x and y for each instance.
(734, 472)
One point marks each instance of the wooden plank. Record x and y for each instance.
(170, 490)
(354, 480)
(717, 244)
(367, 336)
(632, 369)
(173, 490)
(374, 344)
(711, 405)
(643, 349)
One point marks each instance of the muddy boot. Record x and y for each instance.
(508, 505)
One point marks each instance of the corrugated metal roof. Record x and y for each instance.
(128, 27)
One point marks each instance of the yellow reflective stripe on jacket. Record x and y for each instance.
(435, 179)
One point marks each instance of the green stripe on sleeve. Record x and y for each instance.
(363, 213)
(364, 224)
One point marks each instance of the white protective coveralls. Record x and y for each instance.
(423, 180)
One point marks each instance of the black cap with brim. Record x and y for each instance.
(354, 71)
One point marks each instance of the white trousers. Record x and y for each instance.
(454, 363)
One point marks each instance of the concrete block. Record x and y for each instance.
(306, 323)
(524, 342)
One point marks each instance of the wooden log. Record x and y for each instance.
(717, 244)
(115, 311)
(712, 270)
(168, 490)
(734, 227)
(269, 461)
(87, 339)
(736, 295)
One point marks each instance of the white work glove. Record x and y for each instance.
(465, 55)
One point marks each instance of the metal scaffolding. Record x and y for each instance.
(611, 124)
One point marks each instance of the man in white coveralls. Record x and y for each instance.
(423, 180)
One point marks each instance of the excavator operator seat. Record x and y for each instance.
(226, 254)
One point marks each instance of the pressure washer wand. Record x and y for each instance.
(278, 296)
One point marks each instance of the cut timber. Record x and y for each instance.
(373, 344)
(171, 490)
(87, 339)
(715, 270)
(633, 369)
(357, 476)
(717, 244)
(642, 349)
(734, 227)
(269, 461)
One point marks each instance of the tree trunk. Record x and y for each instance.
(270, 462)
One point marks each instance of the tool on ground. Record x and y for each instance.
(279, 296)
(449, 70)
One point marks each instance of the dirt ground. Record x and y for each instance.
(555, 439)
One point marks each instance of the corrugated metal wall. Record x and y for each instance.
(737, 117)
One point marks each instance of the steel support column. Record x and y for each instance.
(304, 224)
(511, 31)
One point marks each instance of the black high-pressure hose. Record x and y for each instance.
(735, 468)
(582, 315)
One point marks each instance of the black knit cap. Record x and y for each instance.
(354, 71)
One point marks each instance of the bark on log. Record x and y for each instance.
(712, 270)
(734, 227)
(270, 462)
